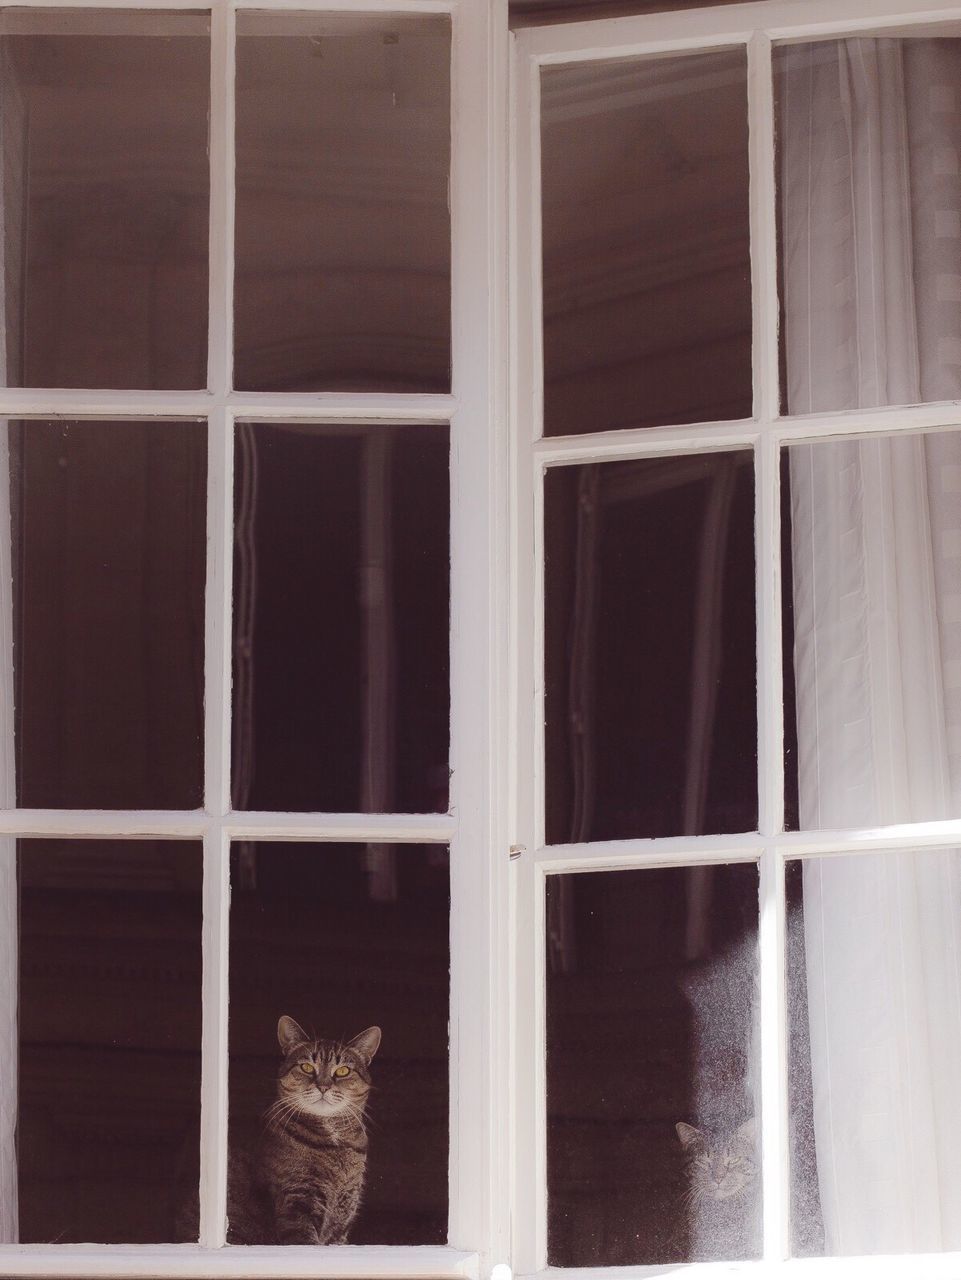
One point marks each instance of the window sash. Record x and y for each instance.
(756, 27)
(473, 828)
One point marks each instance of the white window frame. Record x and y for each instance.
(475, 826)
(755, 27)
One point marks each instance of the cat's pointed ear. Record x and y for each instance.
(290, 1034)
(688, 1135)
(367, 1043)
(747, 1132)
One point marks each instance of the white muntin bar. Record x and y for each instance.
(915, 1267)
(222, 163)
(216, 891)
(159, 824)
(679, 31)
(622, 855)
(217, 664)
(414, 828)
(530, 1102)
(641, 442)
(214, 1043)
(478, 206)
(528, 1250)
(770, 682)
(354, 407)
(348, 6)
(772, 1016)
(53, 402)
(763, 205)
(671, 851)
(332, 1262)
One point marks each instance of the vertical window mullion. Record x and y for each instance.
(214, 1060)
(775, 1163)
(213, 1121)
(223, 62)
(760, 89)
(217, 673)
(771, 936)
(479, 1005)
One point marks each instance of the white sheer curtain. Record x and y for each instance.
(871, 233)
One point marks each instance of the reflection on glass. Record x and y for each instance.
(103, 159)
(647, 290)
(109, 1018)
(653, 1142)
(876, 586)
(329, 946)
(109, 550)
(343, 228)
(341, 590)
(870, 220)
(881, 1016)
(650, 650)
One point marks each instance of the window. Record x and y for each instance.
(503, 626)
(251, 723)
(736, 425)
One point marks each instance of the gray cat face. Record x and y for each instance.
(324, 1077)
(721, 1165)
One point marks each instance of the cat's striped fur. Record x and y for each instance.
(306, 1179)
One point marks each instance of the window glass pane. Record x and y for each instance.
(875, 585)
(109, 1070)
(109, 552)
(870, 220)
(343, 227)
(874, 1002)
(647, 289)
(105, 204)
(342, 951)
(341, 618)
(652, 1053)
(650, 648)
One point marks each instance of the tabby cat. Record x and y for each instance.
(723, 1177)
(723, 1192)
(304, 1182)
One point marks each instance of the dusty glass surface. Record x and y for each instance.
(652, 1052)
(869, 204)
(105, 205)
(109, 1024)
(871, 604)
(349, 946)
(872, 1002)
(647, 285)
(650, 648)
(343, 226)
(341, 618)
(108, 525)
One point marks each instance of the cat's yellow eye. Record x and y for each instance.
(308, 1068)
(341, 1072)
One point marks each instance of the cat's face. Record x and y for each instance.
(324, 1077)
(721, 1165)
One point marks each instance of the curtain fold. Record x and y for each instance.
(868, 128)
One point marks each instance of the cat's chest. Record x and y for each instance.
(315, 1155)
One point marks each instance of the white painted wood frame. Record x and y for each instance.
(755, 27)
(475, 827)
